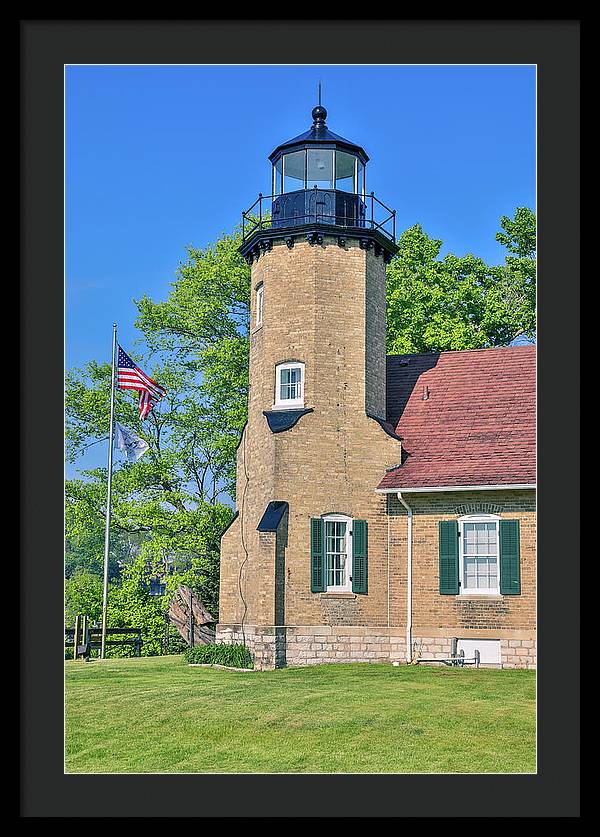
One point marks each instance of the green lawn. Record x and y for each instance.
(157, 715)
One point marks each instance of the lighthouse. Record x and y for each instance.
(304, 551)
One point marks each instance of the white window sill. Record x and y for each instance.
(338, 594)
(485, 596)
(289, 405)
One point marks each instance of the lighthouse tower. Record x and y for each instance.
(305, 555)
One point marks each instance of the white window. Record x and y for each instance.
(338, 553)
(479, 551)
(289, 385)
(259, 305)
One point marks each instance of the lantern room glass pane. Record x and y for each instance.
(344, 171)
(278, 176)
(361, 179)
(294, 166)
(320, 168)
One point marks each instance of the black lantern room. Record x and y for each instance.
(320, 172)
(318, 188)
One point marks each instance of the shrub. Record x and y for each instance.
(236, 656)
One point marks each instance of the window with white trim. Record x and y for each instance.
(289, 385)
(259, 305)
(338, 553)
(479, 554)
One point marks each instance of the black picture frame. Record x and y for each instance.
(46, 46)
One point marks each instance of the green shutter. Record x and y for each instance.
(510, 558)
(448, 549)
(360, 550)
(317, 559)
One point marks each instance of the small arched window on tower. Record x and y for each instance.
(289, 385)
(259, 305)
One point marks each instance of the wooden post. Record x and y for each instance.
(75, 637)
(191, 619)
(84, 635)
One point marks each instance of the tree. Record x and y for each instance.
(203, 326)
(460, 302)
(84, 547)
(519, 235)
(167, 508)
(131, 605)
(83, 597)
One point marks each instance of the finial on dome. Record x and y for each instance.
(319, 114)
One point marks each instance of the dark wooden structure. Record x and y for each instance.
(91, 639)
(190, 617)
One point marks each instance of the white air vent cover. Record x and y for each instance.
(488, 648)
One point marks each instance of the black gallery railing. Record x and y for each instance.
(319, 206)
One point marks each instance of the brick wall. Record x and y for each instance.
(314, 311)
(430, 609)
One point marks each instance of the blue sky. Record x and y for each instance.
(158, 157)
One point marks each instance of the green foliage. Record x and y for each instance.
(203, 326)
(166, 507)
(454, 303)
(84, 520)
(519, 233)
(236, 656)
(130, 605)
(83, 597)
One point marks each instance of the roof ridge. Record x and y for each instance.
(462, 351)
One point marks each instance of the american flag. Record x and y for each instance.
(131, 376)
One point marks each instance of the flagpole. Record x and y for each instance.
(108, 493)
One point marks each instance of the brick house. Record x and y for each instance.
(385, 505)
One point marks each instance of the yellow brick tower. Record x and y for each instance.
(305, 554)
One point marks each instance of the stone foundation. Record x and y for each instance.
(304, 645)
(261, 641)
(311, 645)
(517, 652)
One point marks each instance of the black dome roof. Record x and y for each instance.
(319, 134)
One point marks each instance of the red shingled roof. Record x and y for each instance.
(475, 427)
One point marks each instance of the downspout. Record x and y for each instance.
(408, 580)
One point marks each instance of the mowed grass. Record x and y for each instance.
(157, 715)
